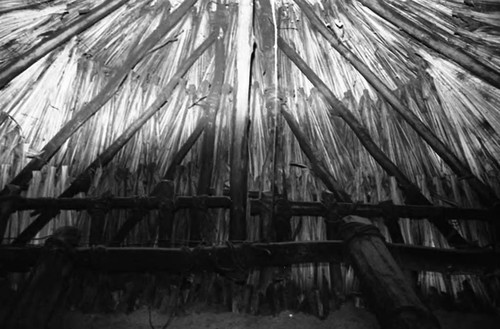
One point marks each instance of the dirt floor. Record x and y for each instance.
(347, 317)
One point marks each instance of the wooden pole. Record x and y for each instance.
(239, 144)
(267, 44)
(252, 255)
(485, 193)
(468, 62)
(395, 303)
(82, 183)
(317, 166)
(166, 192)
(199, 217)
(43, 294)
(97, 214)
(296, 208)
(7, 207)
(185, 148)
(212, 104)
(134, 219)
(59, 38)
(411, 192)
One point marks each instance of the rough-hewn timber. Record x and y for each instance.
(254, 255)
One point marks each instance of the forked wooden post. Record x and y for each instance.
(395, 303)
(44, 293)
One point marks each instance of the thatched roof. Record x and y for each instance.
(459, 107)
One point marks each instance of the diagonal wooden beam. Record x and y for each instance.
(162, 186)
(317, 166)
(485, 193)
(87, 111)
(411, 192)
(59, 38)
(82, 183)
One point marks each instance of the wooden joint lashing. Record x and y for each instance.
(353, 227)
(200, 202)
(165, 192)
(99, 208)
(330, 204)
(283, 209)
(64, 238)
(168, 205)
(97, 212)
(236, 266)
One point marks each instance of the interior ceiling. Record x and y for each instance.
(461, 109)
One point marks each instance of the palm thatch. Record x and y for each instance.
(460, 108)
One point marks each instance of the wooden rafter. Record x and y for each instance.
(411, 192)
(23, 178)
(82, 183)
(485, 193)
(473, 65)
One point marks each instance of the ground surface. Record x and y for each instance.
(347, 317)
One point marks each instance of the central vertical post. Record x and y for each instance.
(239, 145)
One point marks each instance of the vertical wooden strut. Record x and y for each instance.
(267, 44)
(239, 145)
(411, 192)
(166, 192)
(58, 38)
(212, 108)
(395, 303)
(485, 193)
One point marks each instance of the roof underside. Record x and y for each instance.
(461, 109)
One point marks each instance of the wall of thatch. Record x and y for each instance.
(462, 110)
